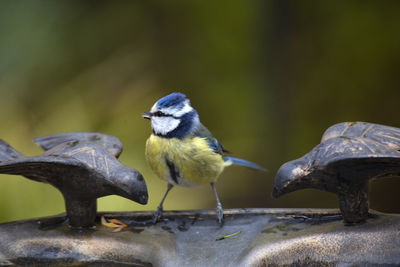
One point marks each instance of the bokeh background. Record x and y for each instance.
(267, 78)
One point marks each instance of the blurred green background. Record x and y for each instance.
(267, 78)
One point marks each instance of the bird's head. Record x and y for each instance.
(172, 116)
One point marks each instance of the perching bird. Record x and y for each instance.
(182, 151)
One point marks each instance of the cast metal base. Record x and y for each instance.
(261, 237)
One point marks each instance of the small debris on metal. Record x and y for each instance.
(223, 237)
(113, 223)
(197, 217)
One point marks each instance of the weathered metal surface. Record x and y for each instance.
(83, 167)
(386, 135)
(110, 143)
(349, 156)
(264, 237)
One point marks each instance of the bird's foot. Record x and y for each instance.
(220, 214)
(157, 214)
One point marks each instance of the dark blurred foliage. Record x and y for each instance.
(267, 78)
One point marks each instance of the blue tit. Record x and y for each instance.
(182, 151)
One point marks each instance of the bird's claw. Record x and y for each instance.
(220, 214)
(157, 214)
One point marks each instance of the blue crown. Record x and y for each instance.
(173, 99)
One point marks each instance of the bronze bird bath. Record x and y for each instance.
(249, 237)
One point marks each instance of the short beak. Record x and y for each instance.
(146, 115)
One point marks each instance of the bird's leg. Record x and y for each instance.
(219, 210)
(159, 209)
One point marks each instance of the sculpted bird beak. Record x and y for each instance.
(146, 115)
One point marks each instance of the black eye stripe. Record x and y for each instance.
(161, 114)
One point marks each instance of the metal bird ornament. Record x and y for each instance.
(83, 167)
(348, 157)
(182, 151)
(386, 135)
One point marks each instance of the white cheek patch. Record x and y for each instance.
(164, 125)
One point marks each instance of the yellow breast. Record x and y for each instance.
(196, 163)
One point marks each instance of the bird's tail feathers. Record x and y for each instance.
(244, 163)
(8, 153)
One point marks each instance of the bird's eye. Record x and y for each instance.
(158, 114)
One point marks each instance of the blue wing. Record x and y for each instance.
(202, 131)
(244, 163)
